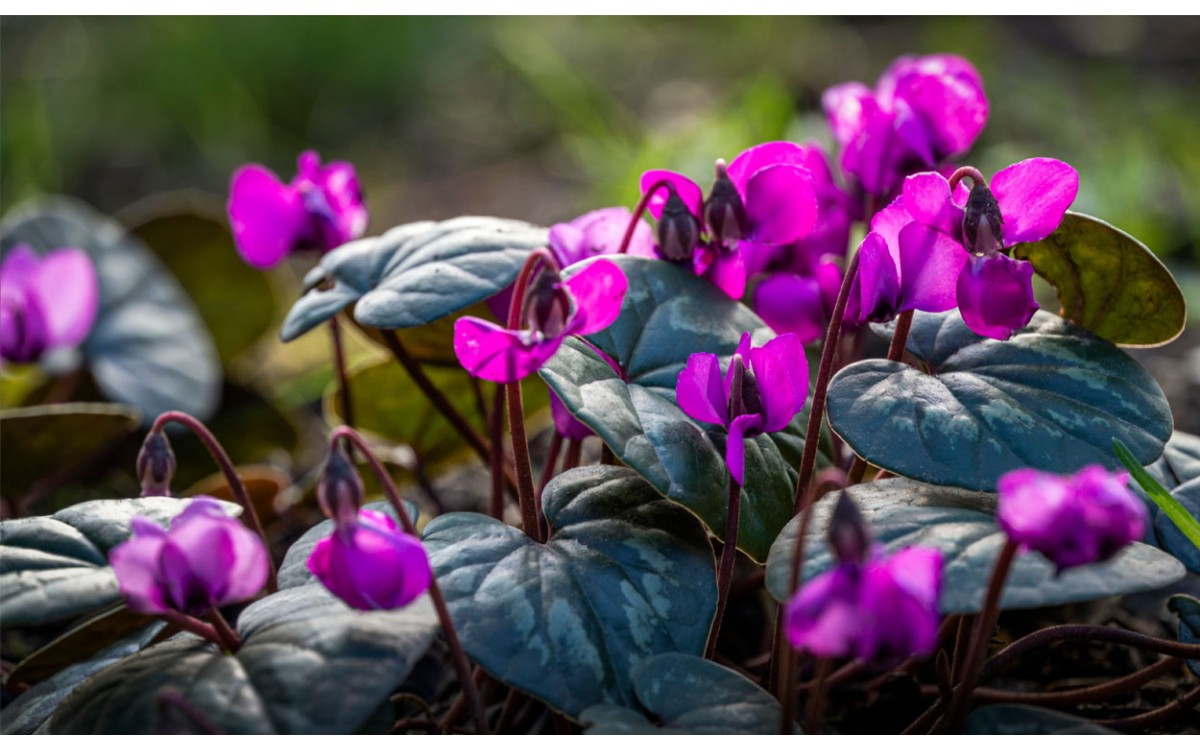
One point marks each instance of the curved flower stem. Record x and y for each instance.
(816, 699)
(984, 624)
(229, 637)
(1159, 715)
(461, 666)
(231, 478)
(498, 464)
(637, 215)
(1078, 696)
(574, 454)
(977, 178)
(339, 368)
(728, 558)
(812, 435)
(191, 625)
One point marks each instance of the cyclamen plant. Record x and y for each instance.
(764, 543)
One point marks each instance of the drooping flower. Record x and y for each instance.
(370, 563)
(766, 196)
(46, 302)
(871, 607)
(922, 111)
(774, 387)
(587, 302)
(321, 208)
(205, 560)
(1073, 520)
(799, 303)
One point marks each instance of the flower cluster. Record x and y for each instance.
(205, 560)
(321, 208)
(1073, 520)
(46, 302)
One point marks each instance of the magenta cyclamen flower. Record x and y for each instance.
(1073, 520)
(766, 196)
(205, 560)
(881, 610)
(46, 302)
(922, 111)
(774, 387)
(369, 563)
(321, 208)
(586, 303)
(599, 232)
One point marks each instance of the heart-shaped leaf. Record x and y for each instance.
(29, 712)
(415, 273)
(1052, 398)
(689, 695)
(1188, 610)
(1014, 718)
(1108, 282)
(962, 525)
(308, 664)
(54, 567)
(669, 314)
(625, 575)
(149, 347)
(40, 441)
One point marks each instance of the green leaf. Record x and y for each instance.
(308, 664)
(30, 711)
(1188, 610)
(415, 273)
(149, 347)
(41, 441)
(55, 567)
(962, 525)
(625, 575)
(1179, 515)
(1052, 398)
(190, 236)
(78, 644)
(669, 314)
(1179, 471)
(1108, 282)
(1014, 718)
(689, 695)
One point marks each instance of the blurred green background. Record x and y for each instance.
(537, 119)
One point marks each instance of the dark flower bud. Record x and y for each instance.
(547, 305)
(156, 465)
(340, 490)
(848, 534)
(751, 399)
(982, 222)
(724, 213)
(678, 229)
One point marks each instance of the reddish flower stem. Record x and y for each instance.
(339, 369)
(191, 625)
(977, 178)
(229, 637)
(816, 698)
(1086, 632)
(498, 464)
(858, 467)
(728, 558)
(638, 210)
(574, 453)
(236, 487)
(461, 665)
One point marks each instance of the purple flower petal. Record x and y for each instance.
(336, 204)
(689, 192)
(875, 291)
(565, 422)
(700, 390)
(848, 107)
(135, 564)
(792, 304)
(727, 271)
(268, 218)
(372, 565)
(927, 200)
(766, 155)
(945, 93)
(781, 204)
(599, 233)
(930, 267)
(69, 293)
(499, 354)
(781, 374)
(598, 290)
(995, 295)
(1033, 196)
(18, 269)
(745, 426)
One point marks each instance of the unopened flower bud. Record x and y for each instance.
(678, 229)
(848, 534)
(751, 400)
(156, 464)
(982, 222)
(547, 305)
(340, 490)
(724, 212)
